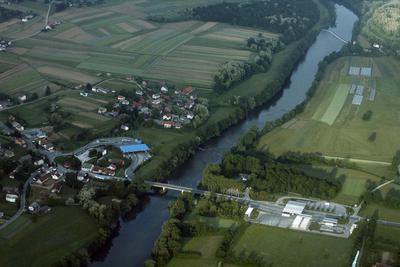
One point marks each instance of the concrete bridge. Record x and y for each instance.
(336, 36)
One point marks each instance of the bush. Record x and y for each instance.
(367, 115)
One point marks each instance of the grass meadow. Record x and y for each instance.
(290, 248)
(333, 126)
(48, 239)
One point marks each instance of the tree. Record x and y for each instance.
(88, 87)
(367, 115)
(47, 91)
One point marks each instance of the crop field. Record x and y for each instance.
(22, 79)
(290, 248)
(333, 126)
(108, 38)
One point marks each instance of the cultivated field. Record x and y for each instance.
(109, 39)
(332, 125)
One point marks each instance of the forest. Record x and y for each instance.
(6, 14)
(290, 18)
(266, 175)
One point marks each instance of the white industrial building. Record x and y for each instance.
(293, 208)
(301, 222)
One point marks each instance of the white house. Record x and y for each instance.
(164, 89)
(155, 96)
(124, 127)
(166, 117)
(12, 198)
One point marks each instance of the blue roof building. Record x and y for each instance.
(134, 148)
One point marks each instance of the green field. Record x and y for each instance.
(354, 183)
(46, 241)
(344, 133)
(289, 248)
(385, 213)
(206, 246)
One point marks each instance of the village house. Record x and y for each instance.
(156, 102)
(12, 194)
(56, 188)
(124, 127)
(17, 126)
(102, 170)
(34, 207)
(41, 179)
(156, 96)
(164, 89)
(39, 162)
(20, 142)
(187, 91)
(56, 175)
(11, 198)
(101, 110)
(125, 102)
(190, 116)
(22, 98)
(166, 117)
(167, 124)
(112, 167)
(139, 92)
(83, 177)
(8, 153)
(87, 167)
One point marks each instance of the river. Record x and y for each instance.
(135, 240)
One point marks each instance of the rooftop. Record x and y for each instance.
(134, 148)
(294, 207)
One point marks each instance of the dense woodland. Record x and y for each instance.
(290, 18)
(6, 14)
(266, 175)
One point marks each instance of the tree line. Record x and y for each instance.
(292, 19)
(6, 14)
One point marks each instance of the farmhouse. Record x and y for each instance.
(293, 208)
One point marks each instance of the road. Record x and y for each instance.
(382, 185)
(359, 160)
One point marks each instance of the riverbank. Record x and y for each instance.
(146, 227)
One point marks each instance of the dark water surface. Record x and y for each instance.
(135, 240)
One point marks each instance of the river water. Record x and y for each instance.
(135, 240)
